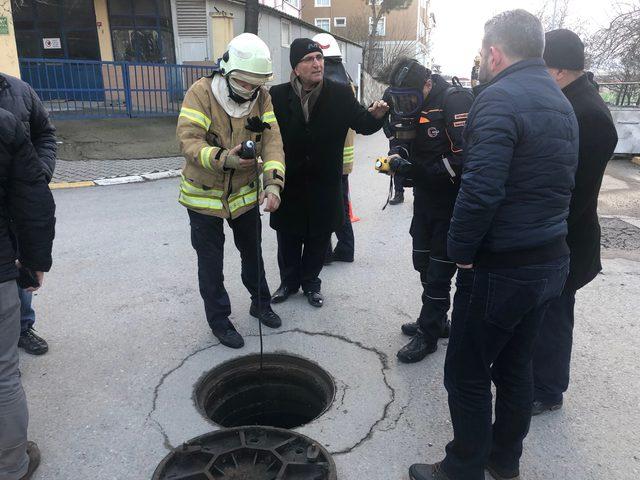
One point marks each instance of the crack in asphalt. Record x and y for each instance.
(384, 360)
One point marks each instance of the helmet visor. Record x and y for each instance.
(405, 102)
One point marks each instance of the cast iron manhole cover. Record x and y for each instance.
(248, 453)
(287, 393)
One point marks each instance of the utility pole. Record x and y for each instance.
(251, 14)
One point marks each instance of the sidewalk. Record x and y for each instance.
(83, 173)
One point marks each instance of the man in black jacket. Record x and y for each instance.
(507, 236)
(27, 216)
(314, 115)
(433, 160)
(564, 56)
(19, 98)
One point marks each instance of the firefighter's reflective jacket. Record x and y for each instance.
(206, 134)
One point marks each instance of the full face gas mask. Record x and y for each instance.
(405, 98)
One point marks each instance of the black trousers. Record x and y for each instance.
(552, 357)
(429, 233)
(346, 240)
(301, 260)
(207, 238)
(496, 317)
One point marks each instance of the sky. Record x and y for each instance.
(459, 28)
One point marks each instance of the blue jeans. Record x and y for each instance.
(497, 313)
(552, 357)
(27, 314)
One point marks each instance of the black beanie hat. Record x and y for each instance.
(564, 50)
(301, 47)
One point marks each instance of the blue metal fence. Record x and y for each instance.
(93, 89)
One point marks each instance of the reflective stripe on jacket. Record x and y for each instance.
(206, 134)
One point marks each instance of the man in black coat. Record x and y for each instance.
(564, 56)
(314, 115)
(27, 216)
(22, 101)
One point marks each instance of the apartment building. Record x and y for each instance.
(398, 32)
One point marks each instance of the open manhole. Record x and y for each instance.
(287, 393)
(248, 453)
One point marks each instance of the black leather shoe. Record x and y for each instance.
(229, 336)
(315, 299)
(282, 293)
(419, 347)
(501, 474)
(268, 317)
(541, 407)
(32, 343)
(397, 198)
(423, 471)
(411, 329)
(33, 452)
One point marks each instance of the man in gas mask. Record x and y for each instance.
(228, 132)
(334, 70)
(427, 118)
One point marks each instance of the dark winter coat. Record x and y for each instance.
(598, 139)
(26, 204)
(312, 196)
(19, 98)
(521, 154)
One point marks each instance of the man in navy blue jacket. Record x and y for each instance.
(508, 237)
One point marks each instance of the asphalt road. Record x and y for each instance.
(123, 316)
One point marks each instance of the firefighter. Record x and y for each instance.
(220, 113)
(334, 70)
(427, 119)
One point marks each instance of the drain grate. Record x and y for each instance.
(248, 453)
(287, 393)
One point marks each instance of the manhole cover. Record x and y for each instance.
(289, 392)
(248, 453)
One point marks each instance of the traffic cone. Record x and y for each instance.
(352, 216)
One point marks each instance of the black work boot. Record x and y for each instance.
(419, 347)
(31, 343)
(397, 198)
(411, 329)
(33, 452)
(423, 471)
(268, 317)
(315, 299)
(228, 335)
(539, 407)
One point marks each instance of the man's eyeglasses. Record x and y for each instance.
(310, 59)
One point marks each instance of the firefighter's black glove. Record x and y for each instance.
(400, 165)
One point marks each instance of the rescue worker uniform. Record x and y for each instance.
(214, 188)
(436, 162)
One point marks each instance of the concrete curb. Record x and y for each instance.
(104, 182)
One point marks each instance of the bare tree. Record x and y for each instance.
(378, 8)
(616, 48)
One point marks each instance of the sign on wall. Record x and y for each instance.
(4, 26)
(51, 43)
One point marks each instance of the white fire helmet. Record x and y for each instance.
(328, 44)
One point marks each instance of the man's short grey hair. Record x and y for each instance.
(517, 32)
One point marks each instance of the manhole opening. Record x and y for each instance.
(287, 393)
